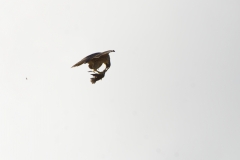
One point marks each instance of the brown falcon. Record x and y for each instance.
(95, 61)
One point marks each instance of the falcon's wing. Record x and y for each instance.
(86, 59)
(101, 54)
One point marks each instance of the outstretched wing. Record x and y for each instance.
(102, 54)
(86, 59)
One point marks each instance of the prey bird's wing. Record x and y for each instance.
(86, 59)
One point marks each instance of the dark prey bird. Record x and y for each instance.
(95, 61)
(97, 77)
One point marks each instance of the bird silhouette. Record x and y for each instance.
(95, 61)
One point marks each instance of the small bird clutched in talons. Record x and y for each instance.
(97, 77)
(95, 61)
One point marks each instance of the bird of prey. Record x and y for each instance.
(95, 61)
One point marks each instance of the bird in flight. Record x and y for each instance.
(95, 61)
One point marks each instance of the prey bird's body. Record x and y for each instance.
(97, 77)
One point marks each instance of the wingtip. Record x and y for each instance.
(73, 66)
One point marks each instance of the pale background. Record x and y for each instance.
(172, 92)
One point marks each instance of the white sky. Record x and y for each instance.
(172, 91)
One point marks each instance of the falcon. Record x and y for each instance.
(95, 61)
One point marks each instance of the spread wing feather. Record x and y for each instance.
(102, 54)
